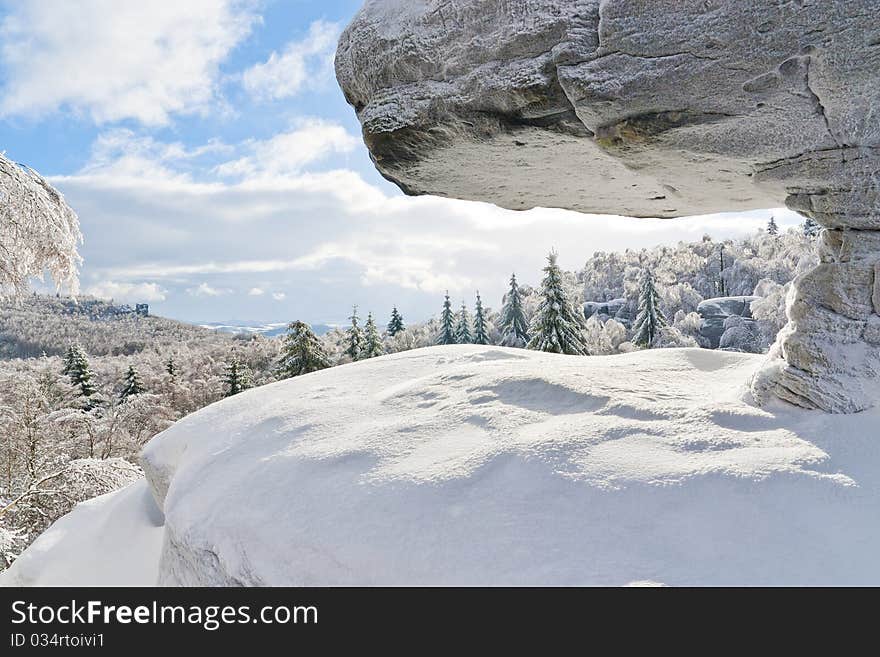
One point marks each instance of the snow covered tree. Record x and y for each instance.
(558, 325)
(76, 366)
(650, 318)
(481, 335)
(447, 324)
(237, 378)
(772, 227)
(171, 368)
(463, 333)
(372, 345)
(38, 231)
(133, 384)
(302, 352)
(70, 356)
(354, 336)
(514, 329)
(811, 228)
(395, 326)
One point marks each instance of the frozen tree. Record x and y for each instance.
(302, 352)
(133, 384)
(650, 318)
(463, 333)
(810, 228)
(772, 226)
(76, 366)
(395, 325)
(171, 368)
(372, 344)
(557, 325)
(355, 336)
(446, 335)
(514, 328)
(481, 334)
(38, 231)
(237, 379)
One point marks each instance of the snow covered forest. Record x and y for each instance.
(84, 383)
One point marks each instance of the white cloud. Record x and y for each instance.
(331, 229)
(205, 290)
(137, 292)
(287, 153)
(256, 292)
(301, 64)
(279, 296)
(115, 60)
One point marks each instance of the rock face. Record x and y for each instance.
(650, 108)
(716, 311)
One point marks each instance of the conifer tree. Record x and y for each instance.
(447, 324)
(68, 360)
(772, 227)
(76, 366)
(650, 318)
(237, 378)
(481, 335)
(302, 352)
(396, 325)
(171, 368)
(514, 329)
(133, 385)
(355, 336)
(811, 228)
(558, 325)
(372, 346)
(463, 326)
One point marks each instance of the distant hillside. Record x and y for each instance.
(269, 329)
(38, 325)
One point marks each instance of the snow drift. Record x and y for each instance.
(485, 465)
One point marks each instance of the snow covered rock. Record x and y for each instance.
(646, 108)
(485, 465)
(716, 311)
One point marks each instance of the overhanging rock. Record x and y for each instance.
(658, 108)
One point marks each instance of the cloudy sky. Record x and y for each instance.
(218, 172)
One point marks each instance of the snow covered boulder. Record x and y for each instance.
(716, 311)
(485, 465)
(660, 108)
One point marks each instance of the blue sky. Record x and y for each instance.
(219, 174)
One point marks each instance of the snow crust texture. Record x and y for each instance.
(486, 465)
(658, 108)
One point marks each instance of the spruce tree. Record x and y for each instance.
(772, 227)
(68, 360)
(302, 352)
(650, 318)
(237, 378)
(171, 368)
(463, 326)
(76, 366)
(133, 385)
(447, 324)
(811, 228)
(372, 345)
(355, 336)
(558, 325)
(514, 329)
(396, 325)
(481, 335)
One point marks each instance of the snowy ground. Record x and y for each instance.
(483, 465)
